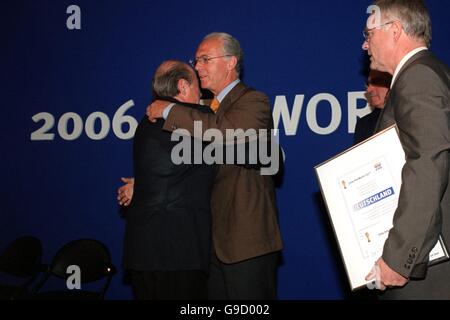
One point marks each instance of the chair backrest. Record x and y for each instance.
(91, 256)
(22, 257)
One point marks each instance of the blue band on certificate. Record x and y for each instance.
(374, 199)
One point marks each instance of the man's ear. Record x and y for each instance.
(397, 29)
(232, 63)
(182, 86)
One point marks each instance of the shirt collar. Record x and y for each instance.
(403, 61)
(226, 90)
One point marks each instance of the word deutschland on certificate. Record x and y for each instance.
(361, 187)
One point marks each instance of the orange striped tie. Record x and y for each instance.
(214, 105)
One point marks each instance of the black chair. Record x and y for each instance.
(21, 261)
(94, 262)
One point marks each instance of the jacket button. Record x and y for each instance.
(412, 256)
(409, 261)
(414, 250)
(407, 266)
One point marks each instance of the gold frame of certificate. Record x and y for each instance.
(360, 187)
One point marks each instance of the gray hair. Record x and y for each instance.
(165, 80)
(230, 47)
(413, 15)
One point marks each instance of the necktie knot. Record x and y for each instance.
(214, 105)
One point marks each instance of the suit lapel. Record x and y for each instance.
(387, 117)
(231, 98)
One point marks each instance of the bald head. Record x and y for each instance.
(167, 76)
(176, 79)
(165, 66)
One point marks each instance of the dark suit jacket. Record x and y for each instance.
(365, 126)
(419, 103)
(168, 223)
(245, 222)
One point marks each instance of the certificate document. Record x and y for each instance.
(361, 187)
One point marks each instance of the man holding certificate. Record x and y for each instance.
(397, 38)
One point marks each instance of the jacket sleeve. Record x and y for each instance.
(250, 111)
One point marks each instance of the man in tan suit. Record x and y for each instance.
(246, 235)
(419, 103)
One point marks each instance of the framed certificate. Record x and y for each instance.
(361, 187)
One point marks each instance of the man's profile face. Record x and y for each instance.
(377, 89)
(377, 45)
(213, 73)
(193, 90)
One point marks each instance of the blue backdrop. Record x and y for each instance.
(71, 98)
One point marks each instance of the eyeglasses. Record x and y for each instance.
(367, 33)
(204, 60)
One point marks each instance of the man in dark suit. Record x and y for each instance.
(246, 235)
(378, 84)
(168, 224)
(419, 103)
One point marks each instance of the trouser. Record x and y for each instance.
(252, 279)
(169, 285)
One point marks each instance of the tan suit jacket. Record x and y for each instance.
(244, 213)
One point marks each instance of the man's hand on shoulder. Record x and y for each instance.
(155, 110)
